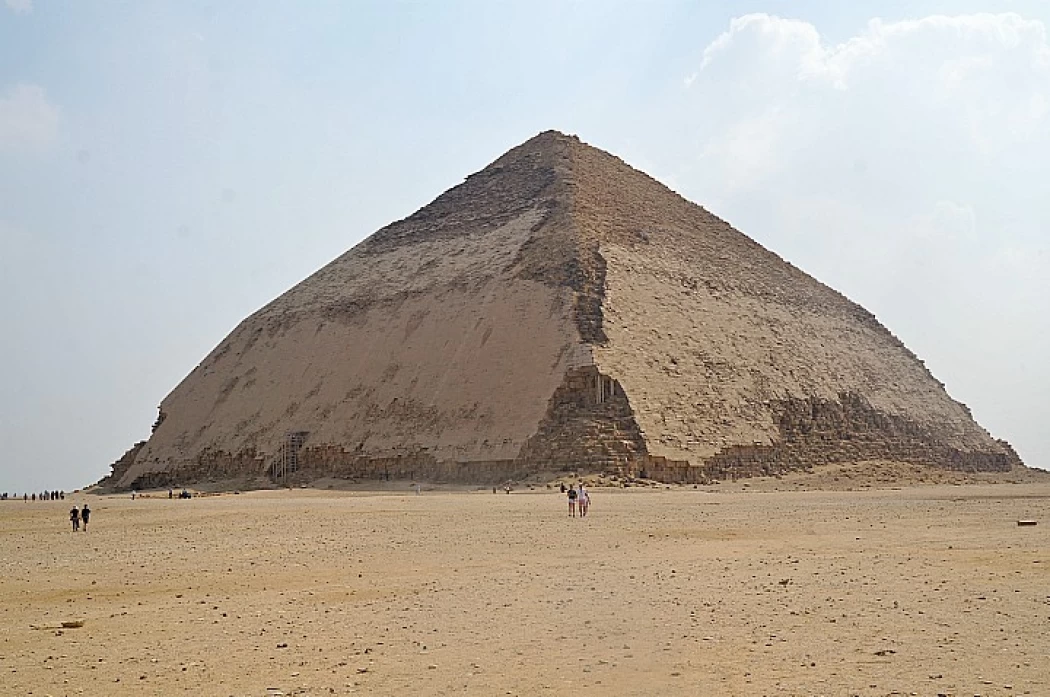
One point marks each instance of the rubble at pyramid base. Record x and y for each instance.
(590, 429)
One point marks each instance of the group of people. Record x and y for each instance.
(42, 496)
(78, 516)
(579, 499)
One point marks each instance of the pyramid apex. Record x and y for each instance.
(546, 141)
(556, 134)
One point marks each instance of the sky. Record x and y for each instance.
(167, 168)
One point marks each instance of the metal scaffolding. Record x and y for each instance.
(287, 460)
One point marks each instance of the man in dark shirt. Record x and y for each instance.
(85, 513)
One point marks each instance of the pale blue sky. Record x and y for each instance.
(166, 168)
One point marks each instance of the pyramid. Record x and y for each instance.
(557, 311)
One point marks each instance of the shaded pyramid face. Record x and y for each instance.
(557, 311)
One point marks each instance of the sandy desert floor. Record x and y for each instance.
(920, 591)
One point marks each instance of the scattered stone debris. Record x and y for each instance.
(65, 624)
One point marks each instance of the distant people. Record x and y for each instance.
(85, 514)
(171, 494)
(507, 488)
(34, 497)
(563, 487)
(583, 500)
(74, 518)
(62, 495)
(132, 494)
(572, 502)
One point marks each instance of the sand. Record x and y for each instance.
(924, 590)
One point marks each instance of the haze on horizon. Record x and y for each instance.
(168, 168)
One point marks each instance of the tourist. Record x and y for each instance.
(85, 513)
(584, 500)
(74, 518)
(572, 502)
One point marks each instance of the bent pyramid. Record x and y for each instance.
(558, 310)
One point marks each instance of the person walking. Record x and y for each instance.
(74, 518)
(85, 513)
(583, 499)
(572, 502)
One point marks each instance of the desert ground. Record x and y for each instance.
(923, 590)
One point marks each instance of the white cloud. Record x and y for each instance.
(906, 167)
(28, 121)
(20, 7)
(799, 45)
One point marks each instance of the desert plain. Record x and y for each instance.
(766, 587)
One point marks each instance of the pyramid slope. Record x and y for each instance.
(721, 344)
(429, 341)
(558, 309)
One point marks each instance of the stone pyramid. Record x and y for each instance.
(557, 311)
